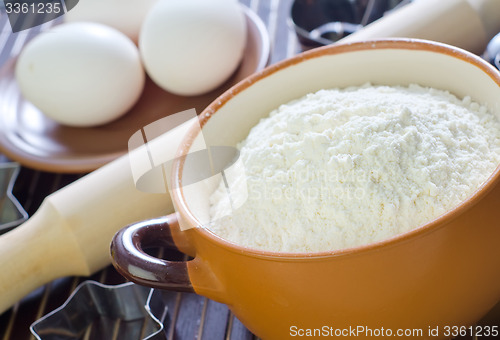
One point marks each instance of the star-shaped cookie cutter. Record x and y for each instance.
(11, 212)
(105, 312)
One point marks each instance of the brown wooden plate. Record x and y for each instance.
(34, 140)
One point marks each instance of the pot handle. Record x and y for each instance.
(131, 261)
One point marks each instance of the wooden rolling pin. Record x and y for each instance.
(469, 24)
(71, 232)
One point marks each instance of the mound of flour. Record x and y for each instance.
(346, 167)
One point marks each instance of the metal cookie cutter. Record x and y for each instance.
(102, 312)
(492, 53)
(322, 22)
(11, 211)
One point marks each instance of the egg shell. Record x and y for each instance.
(81, 74)
(124, 15)
(190, 47)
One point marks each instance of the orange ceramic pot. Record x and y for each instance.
(442, 274)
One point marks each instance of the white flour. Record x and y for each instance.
(341, 168)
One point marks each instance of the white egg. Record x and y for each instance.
(124, 15)
(190, 47)
(81, 74)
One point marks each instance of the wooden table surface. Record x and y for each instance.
(189, 316)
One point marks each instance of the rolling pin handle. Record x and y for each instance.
(33, 254)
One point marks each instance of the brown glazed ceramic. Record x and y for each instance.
(442, 274)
